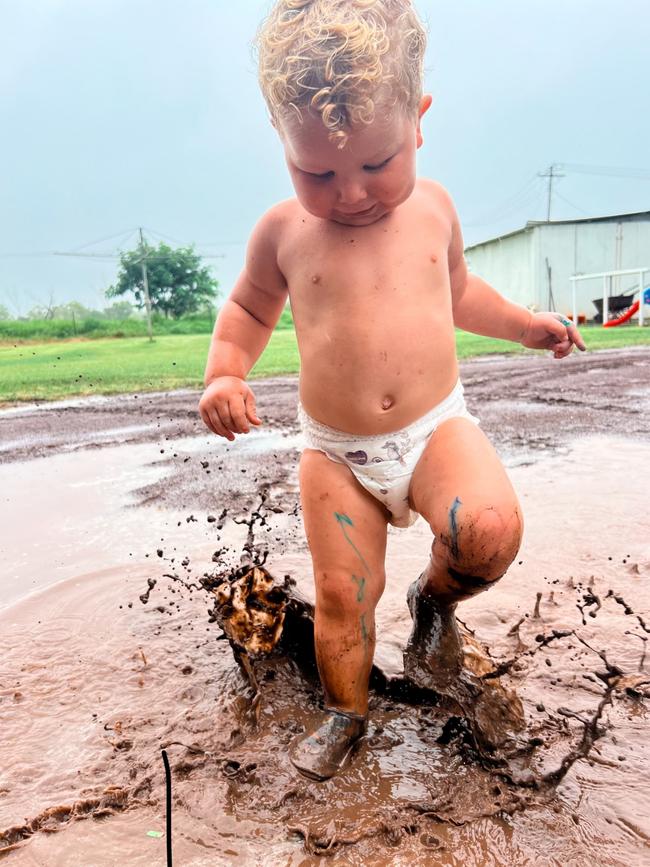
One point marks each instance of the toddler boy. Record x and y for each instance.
(371, 259)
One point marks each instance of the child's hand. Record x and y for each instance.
(552, 331)
(228, 407)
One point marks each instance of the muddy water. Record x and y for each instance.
(94, 682)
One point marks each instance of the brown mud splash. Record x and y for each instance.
(90, 688)
(268, 624)
(420, 783)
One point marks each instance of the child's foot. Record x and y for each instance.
(434, 652)
(323, 753)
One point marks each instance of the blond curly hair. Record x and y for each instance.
(339, 59)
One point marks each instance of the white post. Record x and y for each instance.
(605, 300)
(575, 303)
(641, 287)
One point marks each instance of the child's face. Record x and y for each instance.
(362, 182)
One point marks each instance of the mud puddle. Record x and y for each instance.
(94, 682)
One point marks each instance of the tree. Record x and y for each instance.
(119, 310)
(178, 283)
(4, 313)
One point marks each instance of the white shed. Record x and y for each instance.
(533, 265)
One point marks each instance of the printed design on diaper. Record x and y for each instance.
(395, 451)
(359, 458)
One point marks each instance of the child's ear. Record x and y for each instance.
(425, 105)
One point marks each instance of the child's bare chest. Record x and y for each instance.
(331, 268)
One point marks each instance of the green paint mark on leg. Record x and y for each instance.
(364, 631)
(342, 520)
(360, 581)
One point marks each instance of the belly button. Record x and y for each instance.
(387, 402)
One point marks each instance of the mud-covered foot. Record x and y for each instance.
(434, 652)
(323, 753)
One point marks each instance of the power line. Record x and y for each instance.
(514, 203)
(611, 171)
(127, 233)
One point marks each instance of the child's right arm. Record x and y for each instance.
(241, 332)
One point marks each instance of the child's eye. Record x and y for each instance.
(322, 177)
(378, 167)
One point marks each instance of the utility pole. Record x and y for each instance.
(145, 283)
(550, 174)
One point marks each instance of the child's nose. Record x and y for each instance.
(351, 192)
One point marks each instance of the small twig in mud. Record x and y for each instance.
(144, 658)
(536, 614)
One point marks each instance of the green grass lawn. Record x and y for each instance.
(67, 368)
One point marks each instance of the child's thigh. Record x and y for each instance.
(460, 480)
(346, 531)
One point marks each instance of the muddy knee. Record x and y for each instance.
(477, 547)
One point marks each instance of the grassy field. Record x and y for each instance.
(59, 369)
(94, 327)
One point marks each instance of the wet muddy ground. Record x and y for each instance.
(105, 497)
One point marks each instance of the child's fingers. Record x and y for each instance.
(207, 421)
(571, 332)
(211, 419)
(219, 428)
(226, 421)
(561, 350)
(576, 337)
(251, 409)
(238, 415)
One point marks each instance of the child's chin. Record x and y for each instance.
(364, 219)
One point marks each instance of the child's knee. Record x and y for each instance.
(342, 595)
(480, 543)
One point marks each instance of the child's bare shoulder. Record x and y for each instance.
(262, 249)
(437, 195)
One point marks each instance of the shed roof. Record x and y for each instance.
(532, 223)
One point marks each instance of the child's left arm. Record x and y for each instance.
(479, 308)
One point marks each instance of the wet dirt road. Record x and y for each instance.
(106, 496)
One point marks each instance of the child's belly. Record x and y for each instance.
(372, 377)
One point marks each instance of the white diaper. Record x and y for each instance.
(384, 463)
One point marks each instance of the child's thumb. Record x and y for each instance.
(251, 410)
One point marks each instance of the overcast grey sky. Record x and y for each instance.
(117, 114)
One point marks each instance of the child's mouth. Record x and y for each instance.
(356, 215)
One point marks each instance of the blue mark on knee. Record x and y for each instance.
(453, 527)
